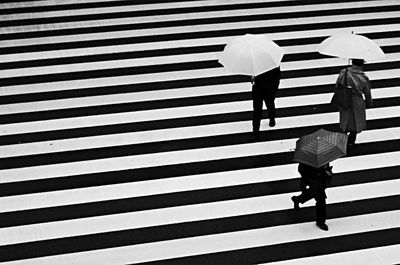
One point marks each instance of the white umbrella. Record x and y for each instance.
(251, 54)
(351, 46)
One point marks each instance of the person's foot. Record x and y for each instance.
(272, 122)
(295, 203)
(323, 226)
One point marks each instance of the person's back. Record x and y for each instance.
(264, 89)
(268, 82)
(353, 120)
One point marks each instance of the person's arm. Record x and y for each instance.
(367, 93)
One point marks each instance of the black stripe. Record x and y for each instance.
(159, 52)
(152, 12)
(165, 24)
(194, 35)
(70, 7)
(292, 250)
(97, 91)
(174, 145)
(132, 127)
(124, 176)
(170, 103)
(117, 206)
(185, 66)
(191, 229)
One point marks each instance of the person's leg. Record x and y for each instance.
(270, 102)
(320, 210)
(257, 112)
(352, 138)
(302, 198)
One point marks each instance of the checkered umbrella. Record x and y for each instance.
(320, 147)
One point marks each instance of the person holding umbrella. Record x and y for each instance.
(264, 89)
(356, 48)
(352, 119)
(314, 152)
(313, 183)
(257, 56)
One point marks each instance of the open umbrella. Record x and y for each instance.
(351, 46)
(251, 55)
(320, 147)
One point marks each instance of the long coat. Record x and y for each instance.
(354, 119)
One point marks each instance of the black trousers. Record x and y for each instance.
(352, 137)
(320, 206)
(258, 101)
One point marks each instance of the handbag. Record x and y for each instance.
(343, 94)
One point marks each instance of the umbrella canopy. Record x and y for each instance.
(351, 46)
(251, 54)
(320, 147)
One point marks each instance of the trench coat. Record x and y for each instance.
(354, 118)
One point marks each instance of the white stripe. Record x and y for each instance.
(223, 242)
(118, 191)
(173, 94)
(370, 256)
(141, 7)
(163, 18)
(171, 17)
(198, 28)
(42, 3)
(156, 45)
(151, 136)
(186, 58)
(173, 76)
(188, 213)
(205, 181)
(158, 159)
(139, 116)
(144, 96)
(129, 162)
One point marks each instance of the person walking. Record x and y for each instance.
(353, 119)
(313, 183)
(264, 89)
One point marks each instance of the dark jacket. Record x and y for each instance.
(266, 84)
(316, 180)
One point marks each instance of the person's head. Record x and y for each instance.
(358, 62)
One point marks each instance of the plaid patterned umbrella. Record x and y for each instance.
(320, 147)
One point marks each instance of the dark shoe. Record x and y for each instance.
(323, 226)
(272, 123)
(295, 203)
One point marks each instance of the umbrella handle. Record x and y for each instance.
(252, 80)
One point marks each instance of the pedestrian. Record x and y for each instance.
(353, 118)
(264, 89)
(313, 183)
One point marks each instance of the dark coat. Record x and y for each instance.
(267, 83)
(354, 119)
(315, 180)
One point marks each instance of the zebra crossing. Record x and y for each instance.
(124, 141)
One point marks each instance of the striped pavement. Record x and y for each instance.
(124, 141)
